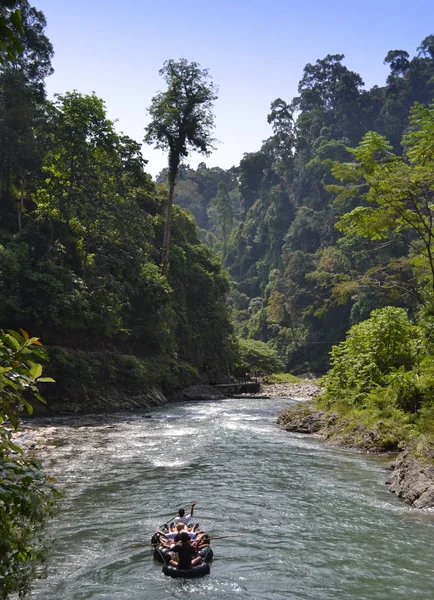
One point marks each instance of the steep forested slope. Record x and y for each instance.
(297, 282)
(80, 242)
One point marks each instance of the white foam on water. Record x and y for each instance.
(178, 432)
(244, 427)
(168, 463)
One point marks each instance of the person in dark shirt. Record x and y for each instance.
(187, 555)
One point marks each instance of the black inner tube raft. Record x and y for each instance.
(163, 554)
(196, 571)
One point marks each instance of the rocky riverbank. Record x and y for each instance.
(339, 430)
(103, 401)
(411, 475)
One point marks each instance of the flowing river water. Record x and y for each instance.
(317, 522)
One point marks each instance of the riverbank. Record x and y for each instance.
(411, 475)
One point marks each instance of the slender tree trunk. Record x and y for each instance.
(225, 241)
(21, 205)
(168, 223)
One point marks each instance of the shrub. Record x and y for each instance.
(370, 352)
(405, 386)
(26, 496)
(258, 357)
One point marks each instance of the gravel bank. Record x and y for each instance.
(301, 391)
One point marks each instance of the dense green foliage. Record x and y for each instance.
(298, 282)
(81, 231)
(373, 350)
(26, 496)
(257, 358)
(382, 375)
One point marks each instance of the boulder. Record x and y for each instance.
(304, 418)
(412, 476)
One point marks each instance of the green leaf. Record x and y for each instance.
(13, 341)
(35, 371)
(16, 21)
(40, 398)
(28, 406)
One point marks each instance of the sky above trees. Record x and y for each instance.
(255, 51)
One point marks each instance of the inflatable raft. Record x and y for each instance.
(163, 555)
(197, 571)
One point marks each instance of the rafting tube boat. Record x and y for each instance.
(196, 571)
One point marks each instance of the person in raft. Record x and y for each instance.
(187, 555)
(182, 517)
(173, 536)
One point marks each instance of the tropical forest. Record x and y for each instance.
(309, 263)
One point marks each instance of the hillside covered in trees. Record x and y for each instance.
(81, 227)
(265, 250)
(299, 282)
(82, 224)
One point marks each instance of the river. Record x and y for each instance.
(318, 523)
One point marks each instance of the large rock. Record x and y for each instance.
(304, 418)
(412, 477)
(337, 429)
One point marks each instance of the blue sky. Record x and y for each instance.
(255, 51)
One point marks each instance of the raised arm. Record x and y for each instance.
(161, 532)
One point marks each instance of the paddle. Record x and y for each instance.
(223, 537)
(170, 520)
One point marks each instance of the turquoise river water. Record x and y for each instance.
(318, 523)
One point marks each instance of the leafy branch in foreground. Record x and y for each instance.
(27, 497)
(20, 372)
